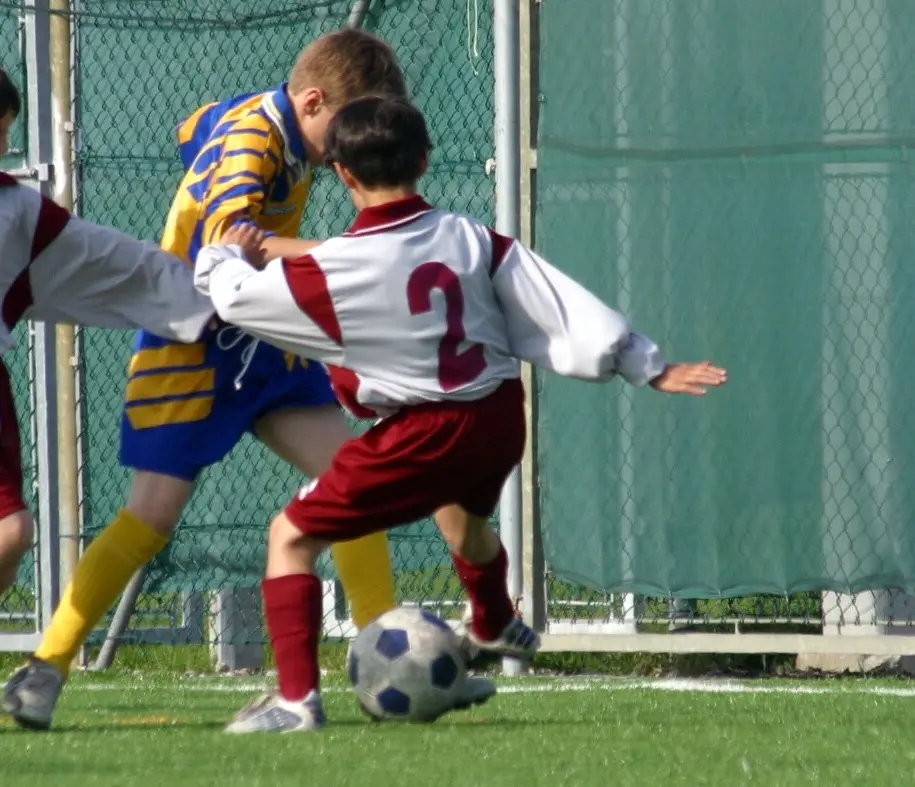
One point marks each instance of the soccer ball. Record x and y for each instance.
(406, 665)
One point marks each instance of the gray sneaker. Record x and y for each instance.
(477, 691)
(31, 694)
(271, 713)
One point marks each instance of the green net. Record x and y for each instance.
(736, 176)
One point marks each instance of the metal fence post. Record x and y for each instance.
(61, 126)
(506, 41)
(533, 601)
(40, 152)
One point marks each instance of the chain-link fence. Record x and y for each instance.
(733, 175)
(737, 177)
(143, 67)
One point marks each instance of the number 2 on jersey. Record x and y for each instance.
(454, 368)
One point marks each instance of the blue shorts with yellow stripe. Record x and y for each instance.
(188, 405)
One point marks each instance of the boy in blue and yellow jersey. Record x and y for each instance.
(247, 160)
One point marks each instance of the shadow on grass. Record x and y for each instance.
(114, 725)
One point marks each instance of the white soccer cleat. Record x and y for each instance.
(271, 713)
(517, 640)
(31, 694)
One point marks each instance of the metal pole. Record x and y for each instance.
(66, 335)
(121, 618)
(506, 65)
(38, 56)
(534, 602)
(357, 13)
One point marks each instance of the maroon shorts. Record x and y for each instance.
(409, 465)
(11, 500)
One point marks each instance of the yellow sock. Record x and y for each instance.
(364, 568)
(100, 577)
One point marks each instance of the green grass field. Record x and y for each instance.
(134, 729)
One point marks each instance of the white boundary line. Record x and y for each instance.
(550, 686)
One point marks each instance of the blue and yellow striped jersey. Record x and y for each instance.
(245, 161)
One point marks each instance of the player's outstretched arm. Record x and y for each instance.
(555, 322)
(98, 276)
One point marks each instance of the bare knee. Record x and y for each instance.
(17, 533)
(469, 536)
(158, 500)
(290, 551)
(307, 438)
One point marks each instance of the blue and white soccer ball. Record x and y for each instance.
(407, 665)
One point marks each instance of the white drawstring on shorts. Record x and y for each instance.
(247, 355)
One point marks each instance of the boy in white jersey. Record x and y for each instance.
(421, 317)
(57, 268)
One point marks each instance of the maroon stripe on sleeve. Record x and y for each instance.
(18, 298)
(52, 219)
(500, 246)
(51, 222)
(309, 288)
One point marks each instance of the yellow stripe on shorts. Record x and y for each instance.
(169, 384)
(177, 411)
(150, 359)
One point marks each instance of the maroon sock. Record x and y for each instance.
(487, 588)
(293, 608)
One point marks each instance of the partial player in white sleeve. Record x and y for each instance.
(422, 317)
(55, 267)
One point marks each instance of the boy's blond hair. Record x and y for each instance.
(346, 65)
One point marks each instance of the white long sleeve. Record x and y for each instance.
(98, 276)
(556, 323)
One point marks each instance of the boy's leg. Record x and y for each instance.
(139, 531)
(482, 565)
(309, 438)
(17, 531)
(175, 423)
(293, 607)
(16, 526)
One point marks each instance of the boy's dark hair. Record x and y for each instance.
(10, 100)
(382, 140)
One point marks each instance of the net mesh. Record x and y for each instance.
(735, 176)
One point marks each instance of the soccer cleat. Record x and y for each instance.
(517, 640)
(31, 694)
(271, 713)
(477, 691)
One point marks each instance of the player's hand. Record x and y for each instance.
(689, 378)
(251, 240)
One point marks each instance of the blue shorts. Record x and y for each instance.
(188, 405)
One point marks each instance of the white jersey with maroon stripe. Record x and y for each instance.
(417, 305)
(57, 268)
